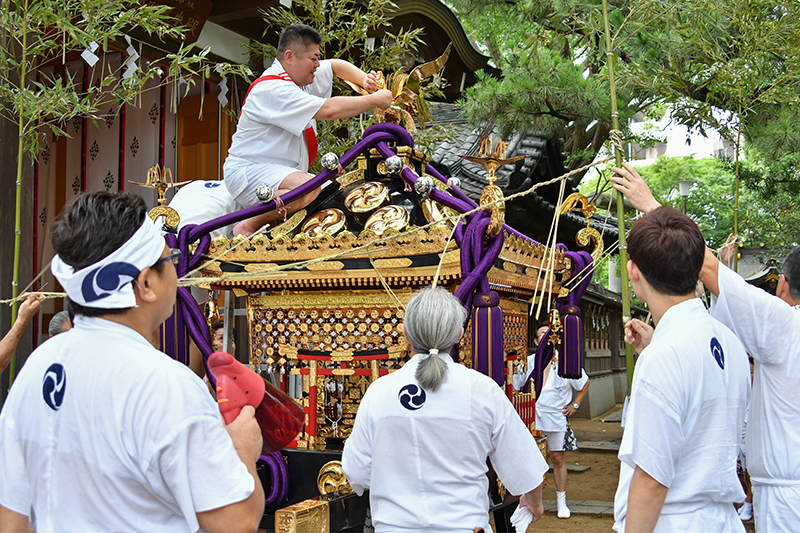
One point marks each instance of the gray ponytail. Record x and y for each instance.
(433, 321)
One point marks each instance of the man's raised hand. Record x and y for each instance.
(630, 183)
(371, 82)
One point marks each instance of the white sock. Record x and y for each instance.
(561, 501)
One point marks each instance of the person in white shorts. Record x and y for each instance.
(275, 140)
(689, 393)
(769, 328)
(554, 405)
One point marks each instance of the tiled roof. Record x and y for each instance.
(473, 176)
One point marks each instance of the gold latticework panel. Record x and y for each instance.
(327, 322)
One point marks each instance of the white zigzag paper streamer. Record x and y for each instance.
(89, 56)
(223, 89)
(133, 56)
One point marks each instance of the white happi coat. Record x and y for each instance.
(269, 144)
(684, 422)
(422, 455)
(102, 432)
(770, 331)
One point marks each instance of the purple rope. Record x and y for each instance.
(544, 354)
(580, 261)
(411, 177)
(274, 478)
(476, 261)
(456, 192)
(186, 261)
(196, 326)
(372, 136)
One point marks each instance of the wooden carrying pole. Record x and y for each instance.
(623, 247)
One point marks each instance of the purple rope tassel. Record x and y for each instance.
(487, 336)
(571, 349)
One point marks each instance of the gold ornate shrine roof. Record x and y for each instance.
(372, 229)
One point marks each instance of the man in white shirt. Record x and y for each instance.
(423, 434)
(103, 432)
(523, 371)
(275, 140)
(769, 328)
(689, 393)
(554, 404)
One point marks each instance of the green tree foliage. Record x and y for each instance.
(774, 148)
(697, 56)
(769, 214)
(772, 221)
(554, 75)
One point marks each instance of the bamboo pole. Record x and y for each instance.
(736, 196)
(623, 247)
(12, 371)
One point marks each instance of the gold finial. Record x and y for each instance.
(160, 182)
(588, 209)
(492, 158)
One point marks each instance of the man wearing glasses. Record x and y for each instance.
(103, 432)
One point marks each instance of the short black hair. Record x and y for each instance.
(668, 249)
(219, 324)
(791, 271)
(90, 228)
(297, 34)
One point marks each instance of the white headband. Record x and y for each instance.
(106, 284)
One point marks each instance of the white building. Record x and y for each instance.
(676, 141)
